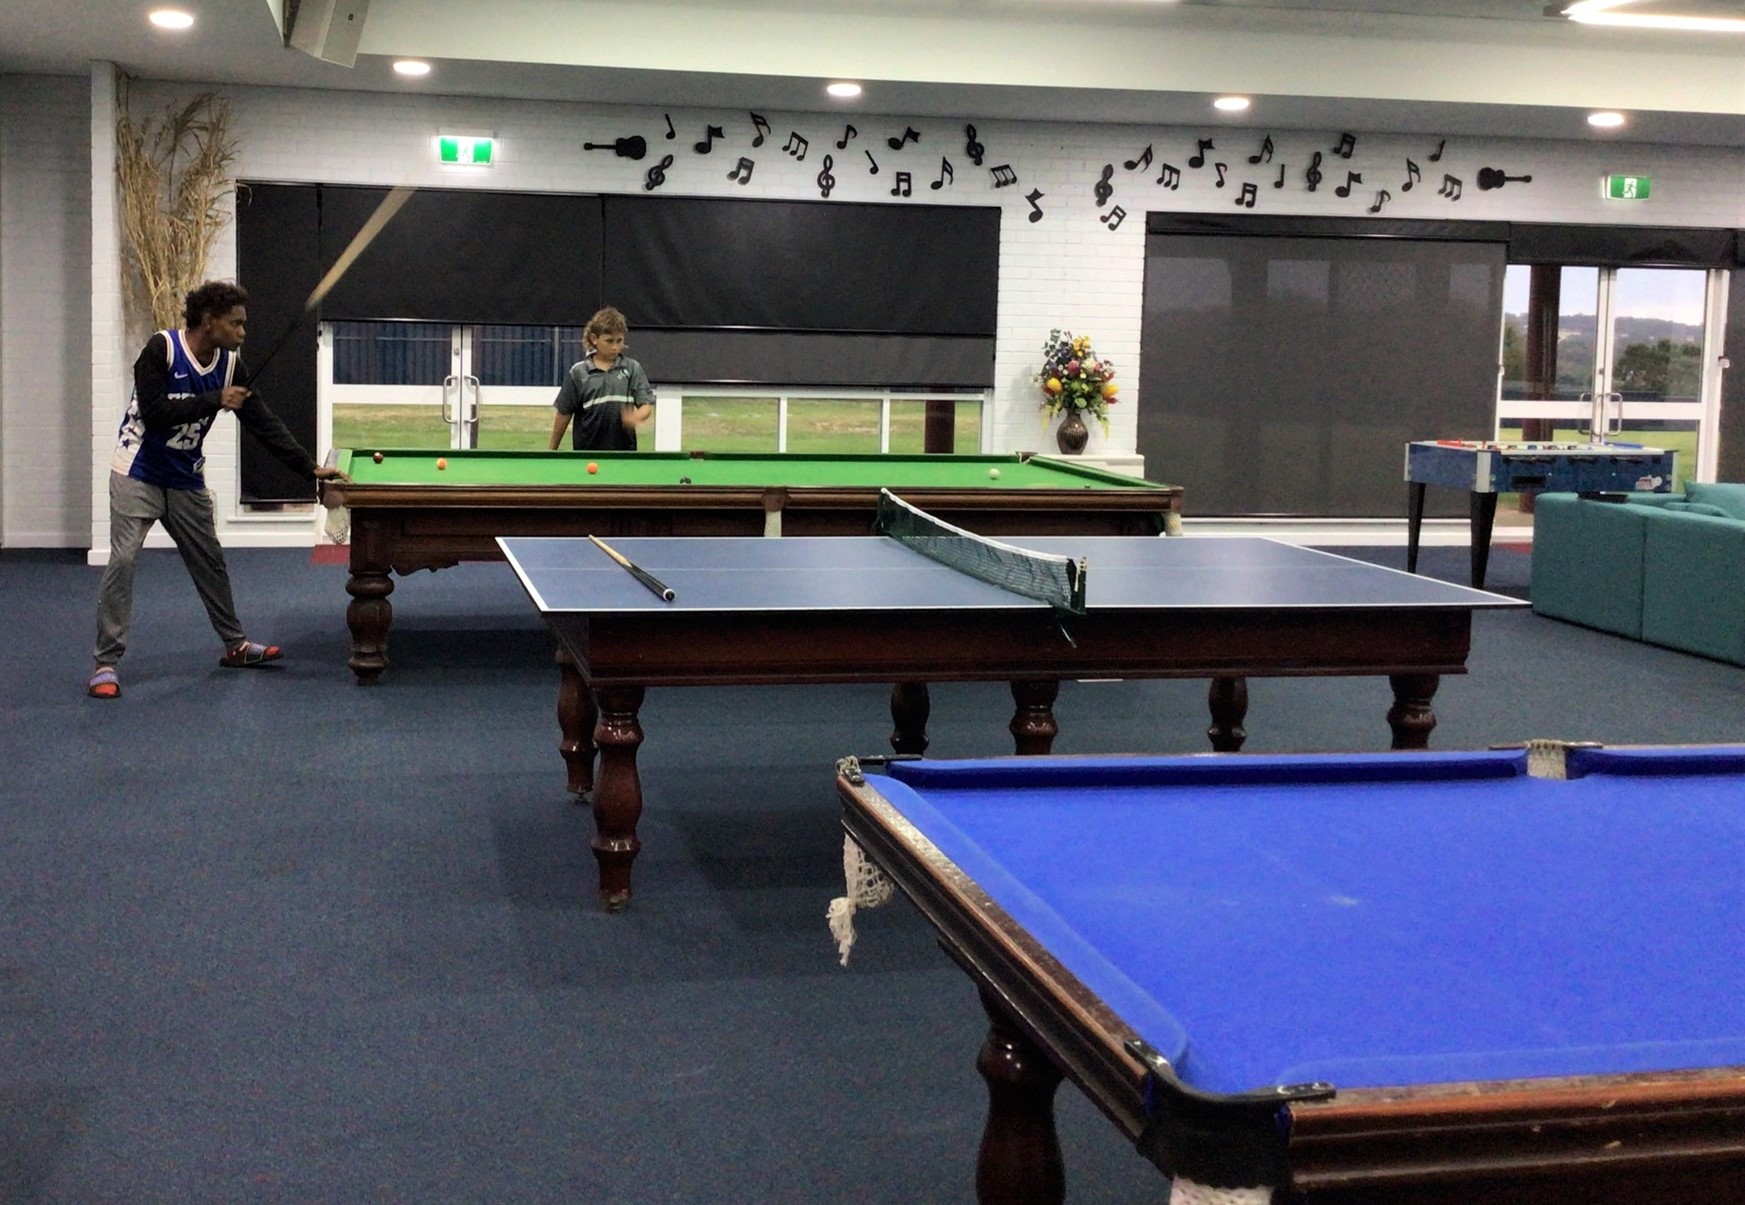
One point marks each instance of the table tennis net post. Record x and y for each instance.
(1058, 581)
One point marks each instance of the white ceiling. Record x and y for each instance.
(1447, 67)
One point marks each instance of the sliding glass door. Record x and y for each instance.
(1621, 354)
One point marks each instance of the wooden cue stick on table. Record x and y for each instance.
(660, 588)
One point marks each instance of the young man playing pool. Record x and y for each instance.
(182, 381)
(607, 393)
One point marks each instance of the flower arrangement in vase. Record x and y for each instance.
(1075, 381)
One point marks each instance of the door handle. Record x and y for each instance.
(448, 387)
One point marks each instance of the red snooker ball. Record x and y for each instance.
(377, 458)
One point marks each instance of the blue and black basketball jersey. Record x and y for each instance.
(172, 457)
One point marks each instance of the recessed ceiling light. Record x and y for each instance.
(1598, 12)
(844, 89)
(171, 18)
(411, 67)
(1605, 121)
(1231, 104)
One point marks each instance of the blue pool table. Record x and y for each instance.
(1400, 977)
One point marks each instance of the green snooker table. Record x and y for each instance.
(406, 514)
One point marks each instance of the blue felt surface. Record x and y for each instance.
(873, 573)
(1374, 933)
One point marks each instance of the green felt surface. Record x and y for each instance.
(936, 471)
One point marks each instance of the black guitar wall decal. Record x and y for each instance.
(633, 147)
(1493, 177)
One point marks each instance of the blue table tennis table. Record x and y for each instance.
(869, 609)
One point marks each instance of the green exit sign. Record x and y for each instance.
(1628, 188)
(466, 149)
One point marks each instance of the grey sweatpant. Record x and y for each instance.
(188, 516)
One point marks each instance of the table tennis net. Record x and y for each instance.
(1056, 580)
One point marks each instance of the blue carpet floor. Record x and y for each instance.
(266, 936)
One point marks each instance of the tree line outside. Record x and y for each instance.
(1656, 359)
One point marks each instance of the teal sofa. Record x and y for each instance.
(1668, 569)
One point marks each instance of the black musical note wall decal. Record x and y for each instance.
(874, 170)
(1347, 144)
(656, 175)
(847, 133)
(1413, 175)
(1249, 195)
(1170, 177)
(946, 175)
(670, 132)
(762, 125)
(1199, 159)
(1003, 175)
(1144, 160)
(1494, 177)
(1351, 178)
(1033, 196)
(909, 135)
(1222, 169)
(971, 147)
(797, 144)
(633, 147)
(741, 172)
(1280, 182)
(1381, 198)
(708, 143)
(1264, 154)
(902, 187)
(1436, 155)
(1114, 218)
(826, 181)
(1313, 175)
(1103, 189)
(1451, 187)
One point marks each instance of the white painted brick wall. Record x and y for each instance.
(44, 312)
(1076, 268)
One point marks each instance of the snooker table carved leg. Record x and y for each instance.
(368, 616)
(1411, 717)
(1033, 727)
(576, 717)
(1228, 699)
(910, 707)
(1019, 1162)
(617, 792)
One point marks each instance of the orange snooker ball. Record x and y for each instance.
(441, 462)
(592, 467)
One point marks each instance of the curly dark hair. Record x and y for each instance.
(606, 321)
(213, 297)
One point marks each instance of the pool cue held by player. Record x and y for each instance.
(660, 588)
(384, 213)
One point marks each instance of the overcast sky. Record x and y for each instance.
(1675, 294)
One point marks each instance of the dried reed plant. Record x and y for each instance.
(173, 171)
